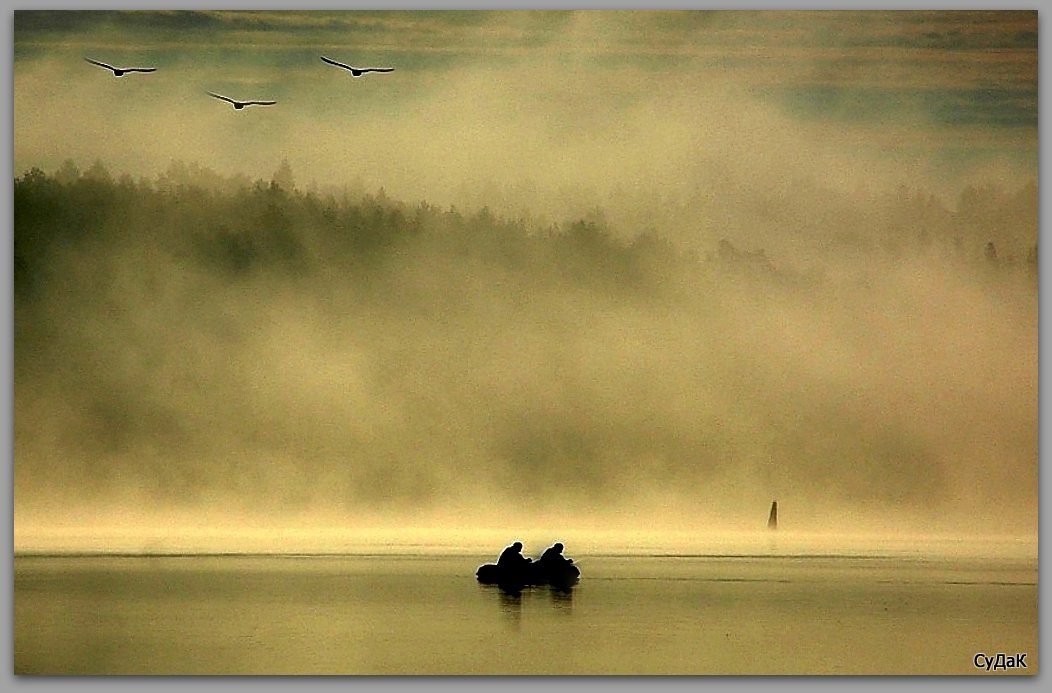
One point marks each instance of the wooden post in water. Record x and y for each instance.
(772, 520)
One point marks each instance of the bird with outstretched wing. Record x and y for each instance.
(120, 71)
(241, 104)
(356, 71)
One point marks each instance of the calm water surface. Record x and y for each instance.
(420, 613)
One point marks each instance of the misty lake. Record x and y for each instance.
(422, 612)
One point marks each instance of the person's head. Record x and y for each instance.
(517, 546)
(558, 547)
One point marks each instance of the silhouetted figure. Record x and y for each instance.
(772, 519)
(554, 555)
(357, 71)
(555, 569)
(120, 71)
(511, 556)
(241, 104)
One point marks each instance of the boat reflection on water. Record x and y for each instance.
(511, 607)
(513, 602)
(562, 599)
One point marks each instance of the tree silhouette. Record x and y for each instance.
(283, 177)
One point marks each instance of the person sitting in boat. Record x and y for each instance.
(554, 555)
(512, 557)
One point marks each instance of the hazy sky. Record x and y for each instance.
(893, 386)
(555, 98)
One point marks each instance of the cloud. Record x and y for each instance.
(238, 359)
(565, 97)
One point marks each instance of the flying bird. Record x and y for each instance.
(119, 71)
(241, 104)
(357, 71)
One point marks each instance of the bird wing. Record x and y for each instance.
(139, 69)
(376, 69)
(96, 62)
(333, 62)
(260, 103)
(221, 97)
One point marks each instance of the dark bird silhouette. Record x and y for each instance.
(119, 71)
(357, 71)
(241, 104)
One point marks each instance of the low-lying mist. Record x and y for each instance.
(251, 353)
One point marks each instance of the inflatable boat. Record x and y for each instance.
(562, 574)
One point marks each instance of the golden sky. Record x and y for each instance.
(585, 96)
(863, 160)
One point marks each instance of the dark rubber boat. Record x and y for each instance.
(561, 575)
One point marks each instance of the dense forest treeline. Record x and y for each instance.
(195, 336)
(239, 226)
